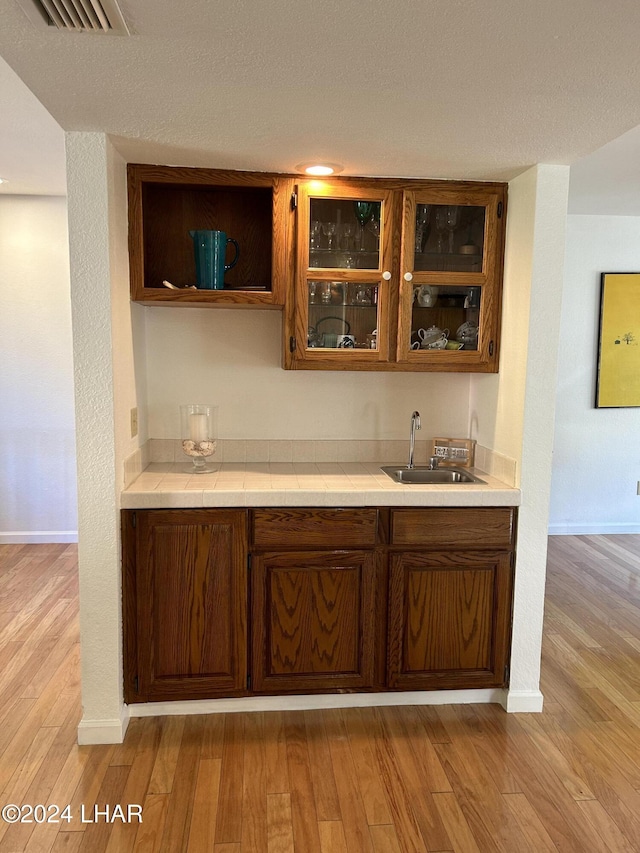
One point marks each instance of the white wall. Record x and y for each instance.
(37, 442)
(497, 400)
(513, 411)
(596, 463)
(232, 358)
(105, 383)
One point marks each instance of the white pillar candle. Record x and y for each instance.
(198, 427)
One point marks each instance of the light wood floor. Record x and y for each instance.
(468, 779)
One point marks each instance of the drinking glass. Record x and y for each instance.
(363, 211)
(374, 227)
(441, 226)
(329, 229)
(348, 230)
(316, 231)
(363, 295)
(423, 214)
(451, 214)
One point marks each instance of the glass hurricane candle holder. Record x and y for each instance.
(199, 430)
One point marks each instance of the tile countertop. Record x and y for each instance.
(166, 485)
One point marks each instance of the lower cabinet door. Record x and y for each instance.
(313, 621)
(191, 603)
(449, 620)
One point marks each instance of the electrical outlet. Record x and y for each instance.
(638, 489)
(134, 422)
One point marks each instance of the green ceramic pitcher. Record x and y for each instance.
(210, 249)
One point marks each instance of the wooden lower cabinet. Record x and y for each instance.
(312, 621)
(185, 604)
(335, 600)
(449, 619)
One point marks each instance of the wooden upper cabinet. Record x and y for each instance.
(373, 273)
(396, 275)
(189, 572)
(252, 208)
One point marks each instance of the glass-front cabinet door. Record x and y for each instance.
(343, 273)
(449, 287)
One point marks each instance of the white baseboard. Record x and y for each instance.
(523, 701)
(316, 702)
(92, 732)
(113, 731)
(38, 537)
(591, 529)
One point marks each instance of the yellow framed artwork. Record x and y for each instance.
(618, 380)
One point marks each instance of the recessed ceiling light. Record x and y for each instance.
(319, 170)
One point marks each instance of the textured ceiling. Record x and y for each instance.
(465, 89)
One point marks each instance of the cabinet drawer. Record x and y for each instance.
(331, 528)
(491, 527)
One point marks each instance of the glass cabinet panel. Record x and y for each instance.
(445, 317)
(344, 261)
(344, 234)
(449, 237)
(342, 315)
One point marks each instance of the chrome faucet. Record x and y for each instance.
(415, 424)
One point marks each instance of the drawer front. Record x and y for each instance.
(490, 527)
(316, 528)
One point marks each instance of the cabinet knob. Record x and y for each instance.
(386, 275)
(408, 276)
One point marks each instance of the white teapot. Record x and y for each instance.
(433, 338)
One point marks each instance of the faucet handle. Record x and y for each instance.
(433, 463)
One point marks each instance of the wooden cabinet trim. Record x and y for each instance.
(129, 608)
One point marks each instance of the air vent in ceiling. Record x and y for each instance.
(77, 16)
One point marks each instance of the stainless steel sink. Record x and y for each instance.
(423, 475)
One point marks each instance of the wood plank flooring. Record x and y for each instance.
(462, 779)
